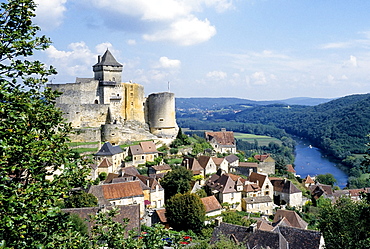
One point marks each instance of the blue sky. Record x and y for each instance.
(253, 49)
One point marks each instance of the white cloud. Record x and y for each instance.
(131, 42)
(77, 61)
(259, 78)
(165, 62)
(50, 13)
(216, 75)
(184, 32)
(352, 62)
(162, 20)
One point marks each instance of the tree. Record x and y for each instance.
(327, 179)
(176, 181)
(181, 139)
(33, 139)
(346, 224)
(185, 212)
(80, 199)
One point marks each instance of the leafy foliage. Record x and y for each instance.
(237, 218)
(346, 224)
(176, 181)
(185, 212)
(80, 199)
(327, 179)
(33, 138)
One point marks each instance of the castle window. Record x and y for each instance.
(132, 103)
(113, 94)
(96, 101)
(117, 94)
(161, 119)
(131, 94)
(112, 134)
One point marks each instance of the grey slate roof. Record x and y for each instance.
(258, 199)
(108, 150)
(108, 60)
(285, 186)
(231, 158)
(280, 238)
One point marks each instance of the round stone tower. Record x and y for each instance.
(161, 114)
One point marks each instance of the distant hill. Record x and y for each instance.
(217, 103)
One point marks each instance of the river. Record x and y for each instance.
(310, 161)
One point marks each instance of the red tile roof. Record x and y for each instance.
(211, 203)
(148, 147)
(122, 190)
(221, 137)
(105, 163)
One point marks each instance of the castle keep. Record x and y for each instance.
(105, 109)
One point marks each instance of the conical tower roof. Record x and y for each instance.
(108, 60)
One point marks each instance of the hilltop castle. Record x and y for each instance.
(105, 109)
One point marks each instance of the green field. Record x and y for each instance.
(262, 140)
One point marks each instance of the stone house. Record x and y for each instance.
(212, 206)
(143, 152)
(281, 237)
(153, 192)
(308, 181)
(266, 164)
(251, 189)
(226, 190)
(245, 168)
(116, 194)
(291, 218)
(208, 165)
(258, 204)
(233, 160)
(222, 164)
(263, 182)
(105, 166)
(222, 141)
(114, 155)
(159, 169)
(286, 193)
(127, 215)
(193, 165)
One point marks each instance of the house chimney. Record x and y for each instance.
(99, 58)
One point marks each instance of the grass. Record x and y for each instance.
(262, 140)
(175, 161)
(73, 144)
(83, 150)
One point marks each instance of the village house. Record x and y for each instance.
(226, 190)
(112, 156)
(308, 181)
(291, 218)
(129, 216)
(222, 141)
(159, 169)
(153, 192)
(221, 163)
(280, 237)
(142, 153)
(263, 182)
(266, 164)
(232, 160)
(192, 164)
(208, 165)
(123, 193)
(286, 193)
(244, 168)
(212, 206)
(259, 204)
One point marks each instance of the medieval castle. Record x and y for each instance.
(105, 109)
